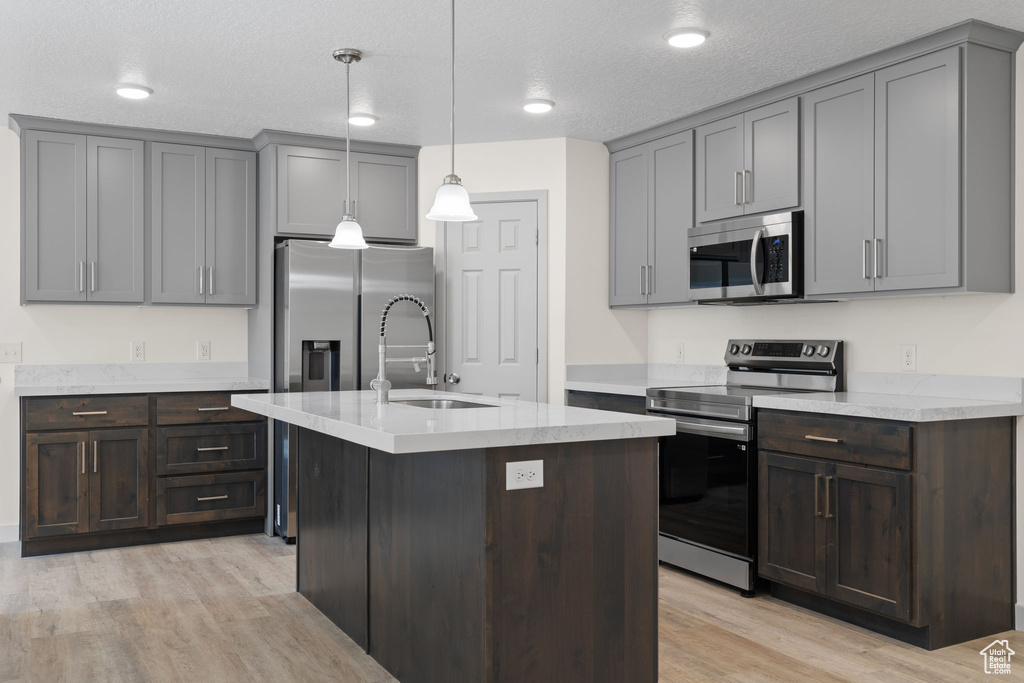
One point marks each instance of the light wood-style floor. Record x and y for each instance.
(226, 610)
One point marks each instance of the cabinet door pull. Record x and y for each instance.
(643, 279)
(211, 280)
(95, 448)
(204, 498)
(828, 503)
(81, 276)
(83, 457)
(867, 248)
(89, 412)
(739, 181)
(210, 410)
(747, 189)
(826, 439)
(211, 448)
(355, 214)
(878, 256)
(92, 276)
(650, 279)
(817, 510)
(200, 280)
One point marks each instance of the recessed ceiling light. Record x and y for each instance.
(362, 119)
(538, 106)
(686, 37)
(133, 92)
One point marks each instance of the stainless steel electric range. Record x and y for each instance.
(708, 470)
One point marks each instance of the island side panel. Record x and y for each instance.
(332, 530)
(572, 566)
(427, 566)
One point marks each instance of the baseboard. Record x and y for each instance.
(1018, 616)
(8, 533)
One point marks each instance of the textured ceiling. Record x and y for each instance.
(234, 67)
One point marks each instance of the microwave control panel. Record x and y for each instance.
(777, 265)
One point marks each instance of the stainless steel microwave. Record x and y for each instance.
(750, 260)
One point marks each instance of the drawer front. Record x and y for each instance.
(211, 448)
(210, 497)
(204, 408)
(86, 412)
(880, 443)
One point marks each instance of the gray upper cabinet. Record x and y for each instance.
(115, 228)
(310, 190)
(671, 216)
(54, 241)
(230, 227)
(384, 191)
(748, 163)
(838, 187)
(203, 217)
(629, 202)
(84, 227)
(917, 173)
(651, 214)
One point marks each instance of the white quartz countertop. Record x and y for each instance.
(135, 378)
(908, 408)
(396, 428)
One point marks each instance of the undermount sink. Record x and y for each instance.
(441, 403)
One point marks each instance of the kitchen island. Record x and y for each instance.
(412, 543)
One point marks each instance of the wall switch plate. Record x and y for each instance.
(138, 351)
(10, 352)
(680, 351)
(203, 350)
(908, 358)
(525, 474)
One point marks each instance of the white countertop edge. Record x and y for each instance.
(145, 386)
(624, 387)
(892, 407)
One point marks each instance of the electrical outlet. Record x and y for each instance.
(10, 352)
(526, 474)
(138, 351)
(908, 358)
(680, 351)
(203, 350)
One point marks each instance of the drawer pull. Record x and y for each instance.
(89, 412)
(224, 497)
(211, 448)
(826, 439)
(210, 410)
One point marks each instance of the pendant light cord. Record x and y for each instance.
(453, 88)
(348, 139)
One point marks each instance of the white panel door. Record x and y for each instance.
(491, 302)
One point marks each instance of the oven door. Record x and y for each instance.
(706, 484)
(759, 262)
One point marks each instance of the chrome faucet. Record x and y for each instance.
(380, 384)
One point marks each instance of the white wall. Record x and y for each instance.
(83, 334)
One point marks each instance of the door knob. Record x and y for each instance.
(454, 378)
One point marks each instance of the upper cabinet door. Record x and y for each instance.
(838, 187)
(115, 226)
(770, 152)
(917, 172)
(54, 241)
(720, 169)
(629, 203)
(384, 191)
(178, 219)
(671, 211)
(230, 227)
(310, 190)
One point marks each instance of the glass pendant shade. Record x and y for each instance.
(348, 235)
(451, 203)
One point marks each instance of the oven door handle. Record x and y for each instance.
(712, 428)
(754, 274)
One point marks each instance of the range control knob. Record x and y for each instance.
(747, 348)
(734, 349)
(808, 350)
(823, 350)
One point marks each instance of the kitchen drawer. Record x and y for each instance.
(86, 412)
(211, 448)
(880, 443)
(210, 497)
(202, 408)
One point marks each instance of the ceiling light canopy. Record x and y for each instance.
(687, 37)
(362, 119)
(133, 92)
(538, 106)
(348, 234)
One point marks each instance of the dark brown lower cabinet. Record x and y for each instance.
(906, 528)
(118, 479)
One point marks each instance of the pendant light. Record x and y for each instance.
(348, 234)
(451, 203)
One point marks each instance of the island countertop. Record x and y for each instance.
(396, 428)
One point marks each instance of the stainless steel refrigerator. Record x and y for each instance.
(327, 308)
